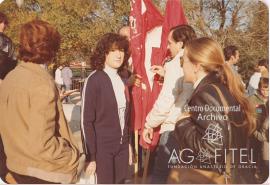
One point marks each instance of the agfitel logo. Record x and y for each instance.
(212, 136)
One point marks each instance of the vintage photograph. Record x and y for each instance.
(134, 92)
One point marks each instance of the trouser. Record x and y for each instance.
(257, 146)
(167, 144)
(59, 86)
(112, 164)
(67, 88)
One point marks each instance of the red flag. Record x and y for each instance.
(174, 15)
(143, 17)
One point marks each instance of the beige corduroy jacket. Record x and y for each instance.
(35, 134)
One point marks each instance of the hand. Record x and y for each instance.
(90, 168)
(148, 135)
(158, 70)
(69, 92)
(184, 115)
(138, 80)
(135, 79)
(130, 156)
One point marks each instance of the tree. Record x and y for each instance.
(79, 22)
(233, 22)
(82, 22)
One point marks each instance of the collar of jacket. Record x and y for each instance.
(211, 78)
(36, 68)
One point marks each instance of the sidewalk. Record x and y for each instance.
(73, 116)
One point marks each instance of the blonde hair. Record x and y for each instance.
(208, 53)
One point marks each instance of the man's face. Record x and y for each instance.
(173, 46)
(115, 58)
(236, 57)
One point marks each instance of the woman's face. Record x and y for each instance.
(115, 58)
(189, 69)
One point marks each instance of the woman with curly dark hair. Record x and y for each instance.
(105, 108)
(109, 42)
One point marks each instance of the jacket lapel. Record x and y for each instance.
(127, 104)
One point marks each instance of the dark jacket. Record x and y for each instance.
(6, 64)
(6, 45)
(101, 124)
(206, 132)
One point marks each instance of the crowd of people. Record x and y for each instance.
(214, 129)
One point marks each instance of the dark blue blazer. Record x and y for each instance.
(101, 125)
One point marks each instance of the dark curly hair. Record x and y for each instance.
(263, 83)
(229, 51)
(183, 33)
(39, 42)
(104, 45)
(263, 62)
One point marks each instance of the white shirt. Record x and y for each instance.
(66, 75)
(173, 96)
(58, 77)
(255, 79)
(119, 92)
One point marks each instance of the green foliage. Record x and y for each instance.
(82, 22)
(79, 22)
(233, 22)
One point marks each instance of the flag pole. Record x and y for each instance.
(146, 164)
(136, 167)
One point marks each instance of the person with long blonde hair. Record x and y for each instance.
(219, 117)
